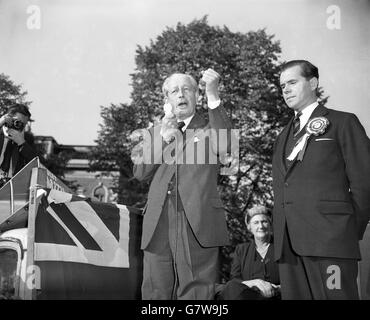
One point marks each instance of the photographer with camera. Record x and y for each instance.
(15, 152)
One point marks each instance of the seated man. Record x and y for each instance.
(254, 273)
(15, 152)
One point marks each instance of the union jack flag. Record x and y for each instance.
(86, 249)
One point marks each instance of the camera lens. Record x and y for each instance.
(18, 125)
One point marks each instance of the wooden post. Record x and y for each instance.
(37, 176)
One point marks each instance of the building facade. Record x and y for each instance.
(97, 185)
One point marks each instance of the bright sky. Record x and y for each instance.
(83, 53)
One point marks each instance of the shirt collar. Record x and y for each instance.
(306, 113)
(186, 121)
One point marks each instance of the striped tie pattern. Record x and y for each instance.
(180, 125)
(296, 124)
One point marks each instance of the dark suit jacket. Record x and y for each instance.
(20, 156)
(197, 186)
(324, 200)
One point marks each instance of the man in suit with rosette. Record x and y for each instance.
(321, 180)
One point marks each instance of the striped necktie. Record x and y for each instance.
(180, 125)
(296, 123)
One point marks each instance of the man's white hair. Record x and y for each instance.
(193, 82)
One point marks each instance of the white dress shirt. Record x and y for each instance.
(306, 114)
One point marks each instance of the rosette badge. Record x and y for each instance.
(317, 126)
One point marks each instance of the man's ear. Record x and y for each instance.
(314, 82)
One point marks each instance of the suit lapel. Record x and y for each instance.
(320, 111)
(280, 148)
(1, 139)
(198, 122)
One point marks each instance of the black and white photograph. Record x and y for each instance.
(203, 151)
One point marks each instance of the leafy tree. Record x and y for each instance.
(250, 92)
(113, 151)
(10, 93)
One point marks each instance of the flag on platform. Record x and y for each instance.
(86, 249)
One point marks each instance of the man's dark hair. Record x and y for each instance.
(19, 108)
(308, 70)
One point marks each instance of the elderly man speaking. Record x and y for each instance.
(184, 221)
